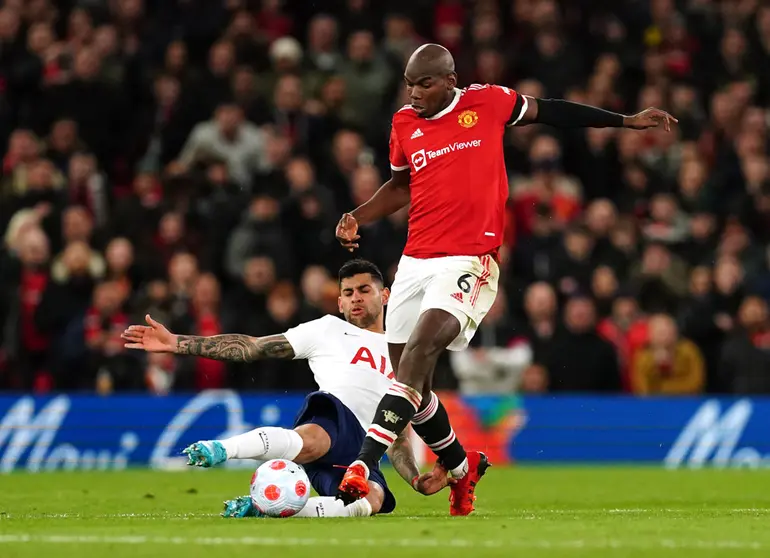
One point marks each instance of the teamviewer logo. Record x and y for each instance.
(419, 160)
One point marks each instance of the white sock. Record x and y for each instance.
(264, 443)
(461, 470)
(329, 506)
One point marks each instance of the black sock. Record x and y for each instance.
(394, 413)
(432, 425)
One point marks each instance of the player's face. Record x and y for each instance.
(429, 94)
(361, 300)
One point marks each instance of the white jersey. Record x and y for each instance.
(349, 362)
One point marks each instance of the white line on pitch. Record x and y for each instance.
(518, 514)
(21, 538)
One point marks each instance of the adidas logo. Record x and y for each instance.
(417, 134)
(457, 296)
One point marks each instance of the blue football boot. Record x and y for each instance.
(241, 507)
(205, 453)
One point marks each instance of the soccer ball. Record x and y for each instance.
(280, 488)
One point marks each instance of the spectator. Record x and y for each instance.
(745, 358)
(138, 214)
(110, 365)
(573, 266)
(540, 306)
(161, 127)
(247, 96)
(62, 143)
(315, 280)
(257, 279)
(67, 295)
(182, 274)
(579, 359)
(227, 137)
(88, 188)
(626, 328)
(347, 152)
(203, 318)
(670, 365)
(708, 320)
(120, 266)
(260, 231)
(25, 345)
(659, 279)
(323, 54)
(604, 287)
(367, 80)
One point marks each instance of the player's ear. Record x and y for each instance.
(451, 81)
(385, 295)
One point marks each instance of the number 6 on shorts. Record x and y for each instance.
(462, 283)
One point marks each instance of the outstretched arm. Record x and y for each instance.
(566, 114)
(234, 347)
(401, 456)
(156, 338)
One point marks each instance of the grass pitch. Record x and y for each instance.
(554, 512)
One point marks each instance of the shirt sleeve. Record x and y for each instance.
(397, 158)
(510, 104)
(305, 339)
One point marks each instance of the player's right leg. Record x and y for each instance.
(262, 444)
(434, 331)
(307, 442)
(466, 289)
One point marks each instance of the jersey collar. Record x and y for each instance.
(449, 109)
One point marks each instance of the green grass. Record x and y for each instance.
(554, 512)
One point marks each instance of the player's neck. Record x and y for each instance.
(448, 101)
(376, 327)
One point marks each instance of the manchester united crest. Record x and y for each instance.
(468, 118)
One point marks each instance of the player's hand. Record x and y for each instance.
(433, 481)
(649, 118)
(347, 232)
(154, 337)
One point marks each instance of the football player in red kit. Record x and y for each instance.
(446, 156)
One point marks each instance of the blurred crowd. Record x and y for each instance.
(190, 158)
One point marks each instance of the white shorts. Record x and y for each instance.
(464, 286)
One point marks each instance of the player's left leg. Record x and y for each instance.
(317, 506)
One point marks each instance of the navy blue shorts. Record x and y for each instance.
(346, 434)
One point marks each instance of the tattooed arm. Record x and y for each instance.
(234, 347)
(401, 456)
(156, 338)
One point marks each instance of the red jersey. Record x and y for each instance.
(458, 182)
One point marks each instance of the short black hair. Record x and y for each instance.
(359, 265)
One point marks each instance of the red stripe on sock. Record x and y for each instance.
(407, 394)
(381, 434)
(428, 412)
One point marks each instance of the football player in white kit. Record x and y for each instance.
(349, 360)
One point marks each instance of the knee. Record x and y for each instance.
(315, 443)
